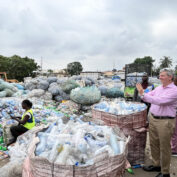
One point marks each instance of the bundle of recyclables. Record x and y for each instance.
(77, 149)
(131, 118)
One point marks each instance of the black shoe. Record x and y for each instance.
(163, 175)
(152, 168)
(174, 154)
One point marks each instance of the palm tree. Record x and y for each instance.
(166, 62)
(176, 70)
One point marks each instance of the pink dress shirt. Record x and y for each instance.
(163, 100)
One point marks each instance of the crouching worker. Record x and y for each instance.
(26, 122)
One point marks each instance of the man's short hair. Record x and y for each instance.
(168, 71)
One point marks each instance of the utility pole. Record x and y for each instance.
(114, 64)
(41, 63)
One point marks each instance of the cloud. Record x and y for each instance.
(98, 33)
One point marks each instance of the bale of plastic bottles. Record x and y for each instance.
(77, 149)
(68, 85)
(52, 79)
(86, 95)
(131, 118)
(43, 85)
(9, 89)
(114, 93)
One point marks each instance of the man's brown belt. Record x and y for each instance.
(162, 117)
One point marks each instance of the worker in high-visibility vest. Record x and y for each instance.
(26, 122)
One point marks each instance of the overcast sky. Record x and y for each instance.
(101, 34)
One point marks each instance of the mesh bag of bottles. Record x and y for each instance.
(114, 93)
(44, 85)
(104, 165)
(3, 94)
(133, 124)
(103, 90)
(85, 95)
(52, 79)
(36, 93)
(69, 85)
(6, 85)
(7, 89)
(54, 89)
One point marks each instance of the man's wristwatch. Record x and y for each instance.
(142, 96)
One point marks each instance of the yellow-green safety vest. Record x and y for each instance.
(30, 122)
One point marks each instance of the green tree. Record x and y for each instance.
(4, 64)
(176, 70)
(145, 60)
(50, 70)
(74, 68)
(114, 70)
(166, 62)
(17, 67)
(155, 71)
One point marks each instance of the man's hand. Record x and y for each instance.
(140, 89)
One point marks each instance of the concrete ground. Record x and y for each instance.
(3, 162)
(141, 173)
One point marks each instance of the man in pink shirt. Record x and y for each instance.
(161, 121)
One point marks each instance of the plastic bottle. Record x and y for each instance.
(103, 149)
(1, 140)
(42, 145)
(129, 170)
(4, 148)
(114, 144)
(94, 144)
(54, 129)
(78, 136)
(62, 157)
(137, 166)
(54, 152)
(121, 144)
(79, 120)
(50, 128)
(82, 146)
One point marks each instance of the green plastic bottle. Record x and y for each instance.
(44, 121)
(129, 170)
(4, 148)
(1, 140)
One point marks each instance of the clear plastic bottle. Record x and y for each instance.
(50, 128)
(103, 149)
(62, 157)
(94, 144)
(54, 152)
(42, 144)
(114, 144)
(82, 146)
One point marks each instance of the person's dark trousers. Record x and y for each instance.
(17, 131)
